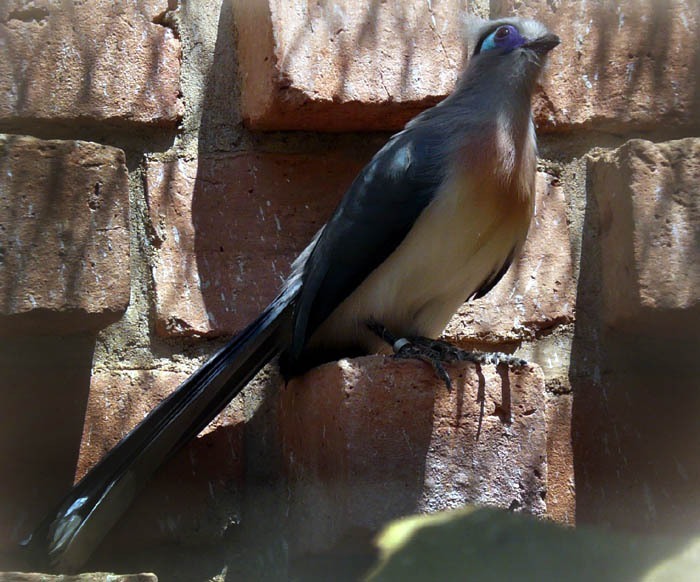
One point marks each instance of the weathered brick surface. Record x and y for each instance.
(93, 61)
(64, 235)
(118, 401)
(370, 439)
(649, 216)
(345, 65)
(227, 229)
(196, 495)
(538, 291)
(224, 246)
(561, 487)
(626, 65)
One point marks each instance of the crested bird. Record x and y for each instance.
(434, 219)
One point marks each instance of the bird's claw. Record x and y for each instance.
(437, 352)
(409, 349)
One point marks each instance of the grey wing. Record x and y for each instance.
(373, 218)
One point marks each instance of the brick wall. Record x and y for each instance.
(162, 164)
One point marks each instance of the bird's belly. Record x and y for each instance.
(457, 243)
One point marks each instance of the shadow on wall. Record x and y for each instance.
(635, 422)
(44, 389)
(253, 213)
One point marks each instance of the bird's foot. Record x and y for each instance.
(438, 352)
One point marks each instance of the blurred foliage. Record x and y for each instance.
(490, 544)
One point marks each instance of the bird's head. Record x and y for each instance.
(513, 45)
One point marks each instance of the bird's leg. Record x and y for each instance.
(436, 352)
(406, 348)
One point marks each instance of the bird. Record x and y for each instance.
(435, 218)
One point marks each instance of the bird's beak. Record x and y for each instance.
(544, 44)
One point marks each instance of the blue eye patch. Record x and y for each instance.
(506, 37)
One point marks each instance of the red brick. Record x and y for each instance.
(228, 227)
(64, 235)
(539, 290)
(92, 61)
(649, 217)
(196, 495)
(371, 439)
(347, 65)
(633, 64)
(561, 488)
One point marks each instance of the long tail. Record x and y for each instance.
(68, 536)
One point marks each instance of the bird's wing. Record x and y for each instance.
(377, 212)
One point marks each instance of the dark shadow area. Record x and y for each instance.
(193, 501)
(349, 560)
(44, 388)
(635, 423)
(122, 136)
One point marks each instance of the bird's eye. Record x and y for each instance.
(506, 37)
(502, 32)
